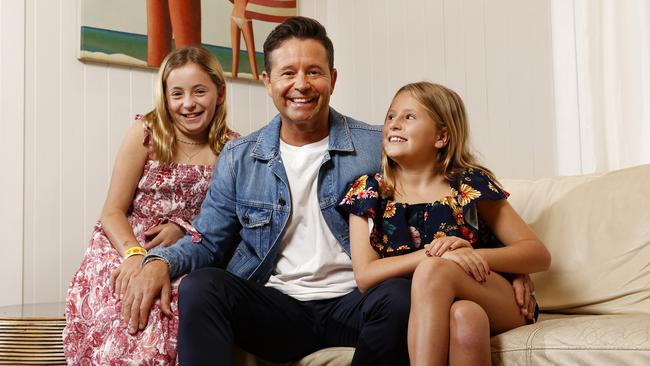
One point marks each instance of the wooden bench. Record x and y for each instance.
(32, 334)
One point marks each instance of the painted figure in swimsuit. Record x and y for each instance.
(164, 17)
(240, 24)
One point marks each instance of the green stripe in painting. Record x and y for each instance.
(135, 45)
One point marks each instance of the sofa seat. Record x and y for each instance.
(595, 298)
(576, 340)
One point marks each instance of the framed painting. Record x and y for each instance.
(142, 32)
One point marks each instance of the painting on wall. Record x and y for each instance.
(142, 32)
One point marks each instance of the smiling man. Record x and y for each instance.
(288, 289)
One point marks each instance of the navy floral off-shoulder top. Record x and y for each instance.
(401, 228)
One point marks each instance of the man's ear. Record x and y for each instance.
(267, 82)
(334, 75)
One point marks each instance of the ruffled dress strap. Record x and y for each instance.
(148, 138)
(362, 198)
(232, 135)
(472, 186)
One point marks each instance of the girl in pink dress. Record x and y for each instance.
(161, 175)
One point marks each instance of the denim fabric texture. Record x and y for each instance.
(248, 205)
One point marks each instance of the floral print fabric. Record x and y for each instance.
(94, 334)
(401, 228)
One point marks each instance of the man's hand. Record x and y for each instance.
(525, 295)
(122, 275)
(142, 291)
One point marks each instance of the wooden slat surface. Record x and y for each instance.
(31, 341)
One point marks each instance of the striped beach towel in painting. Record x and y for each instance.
(275, 11)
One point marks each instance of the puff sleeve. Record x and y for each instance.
(362, 198)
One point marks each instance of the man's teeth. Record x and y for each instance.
(396, 139)
(301, 100)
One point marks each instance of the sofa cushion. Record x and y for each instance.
(333, 356)
(576, 340)
(597, 228)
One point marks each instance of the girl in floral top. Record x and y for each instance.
(433, 195)
(161, 175)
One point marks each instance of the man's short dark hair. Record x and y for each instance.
(300, 28)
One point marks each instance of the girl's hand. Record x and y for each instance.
(122, 275)
(163, 234)
(470, 261)
(440, 245)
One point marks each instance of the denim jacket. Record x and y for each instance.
(247, 208)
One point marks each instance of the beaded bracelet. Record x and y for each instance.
(134, 251)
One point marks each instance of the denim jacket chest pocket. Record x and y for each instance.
(256, 227)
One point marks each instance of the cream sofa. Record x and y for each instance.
(595, 299)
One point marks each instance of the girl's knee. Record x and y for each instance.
(433, 272)
(469, 324)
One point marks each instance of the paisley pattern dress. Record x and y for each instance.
(94, 333)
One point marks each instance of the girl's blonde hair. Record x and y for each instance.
(160, 120)
(447, 110)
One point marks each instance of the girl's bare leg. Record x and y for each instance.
(469, 334)
(436, 284)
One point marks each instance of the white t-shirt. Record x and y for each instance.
(311, 265)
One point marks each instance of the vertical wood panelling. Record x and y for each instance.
(73, 232)
(381, 67)
(434, 50)
(46, 149)
(363, 76)
(29, 195)
(475, 94)
(455, 58)
(97, 161)
(142, 90)
(496, 54)
(12, 122)
(119, 111)
(240, 105)
(257, 109)
(521, 29)
(341, 27)
(497, 38)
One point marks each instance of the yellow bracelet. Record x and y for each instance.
(134, 251)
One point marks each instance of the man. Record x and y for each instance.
(289, 288)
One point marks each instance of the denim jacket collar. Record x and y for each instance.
(268, 141)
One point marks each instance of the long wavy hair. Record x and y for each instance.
(447, 110)
(160, 120)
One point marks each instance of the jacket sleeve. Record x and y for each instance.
(217, 225)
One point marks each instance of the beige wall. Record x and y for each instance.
(63, 120)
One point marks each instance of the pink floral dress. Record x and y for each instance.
(94, 334)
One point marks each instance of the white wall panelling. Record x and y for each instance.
(12, 137)
(63, 120)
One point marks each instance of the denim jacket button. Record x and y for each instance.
(245, 219)
(281, 201)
